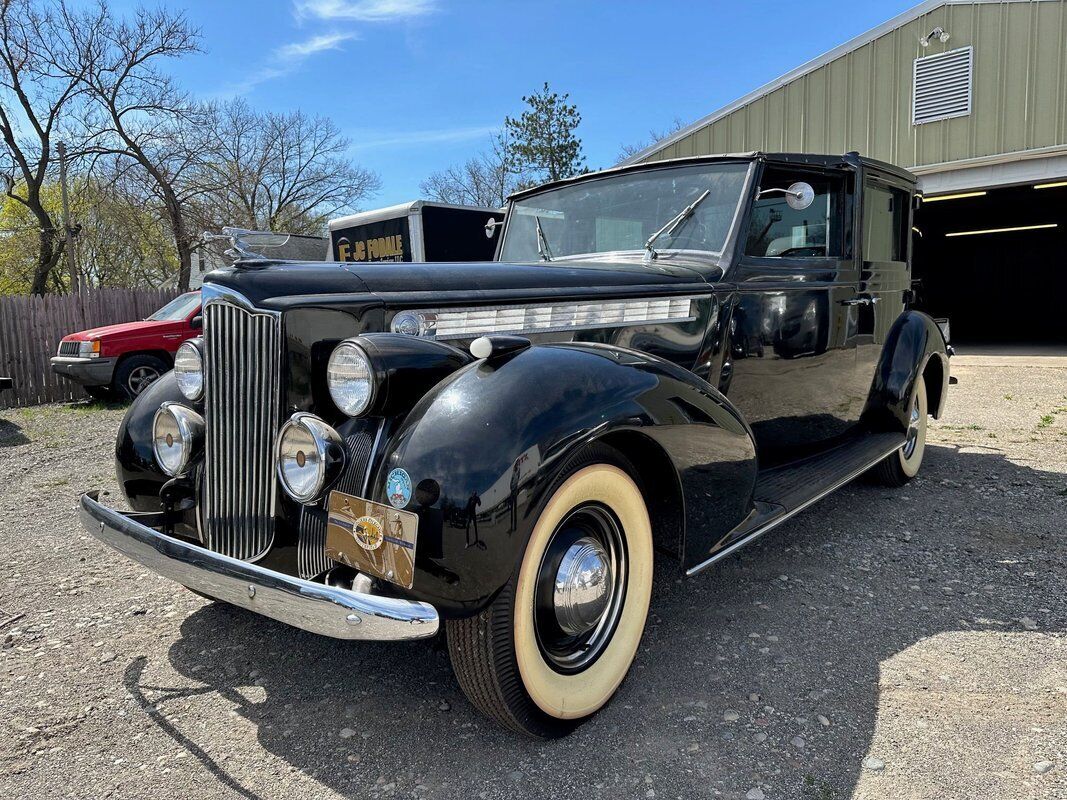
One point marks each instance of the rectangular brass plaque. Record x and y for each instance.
(373, 538)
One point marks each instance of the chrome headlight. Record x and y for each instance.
(351, 378)
(189, 371)
(309, 457)
(177, 437)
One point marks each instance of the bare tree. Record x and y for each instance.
(484, 180)
(33, 99)
(137, 112)
(630, 150)
(283, 172)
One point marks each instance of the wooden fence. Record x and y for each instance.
(31, 327)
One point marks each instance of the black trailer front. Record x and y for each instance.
(416, 231)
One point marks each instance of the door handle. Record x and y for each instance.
(857, 301)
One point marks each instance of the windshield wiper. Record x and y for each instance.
(542, 243)
(672, 225)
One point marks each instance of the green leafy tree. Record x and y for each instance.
(543, 140)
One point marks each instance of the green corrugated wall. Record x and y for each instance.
(862, 100)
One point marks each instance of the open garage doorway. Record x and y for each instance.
(995, 263)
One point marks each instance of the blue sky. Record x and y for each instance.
(419, 84)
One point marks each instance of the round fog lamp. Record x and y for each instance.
(189, 371)
(309, 456)
(350, 378)
(177, 437)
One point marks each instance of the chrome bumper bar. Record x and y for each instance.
(315, 607)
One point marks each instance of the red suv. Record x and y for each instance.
(122, 360)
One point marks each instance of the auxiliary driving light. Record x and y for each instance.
(309, 456)
(177, 437)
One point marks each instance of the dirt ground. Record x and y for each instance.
(883, 644)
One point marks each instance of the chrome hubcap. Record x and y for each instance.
(582, 587)
(913, 429)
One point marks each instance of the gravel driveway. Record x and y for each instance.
(883, 644)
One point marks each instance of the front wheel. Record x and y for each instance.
(901, 466)
(136, 373)
(560, 637)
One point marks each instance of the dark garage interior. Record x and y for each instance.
(996, 285)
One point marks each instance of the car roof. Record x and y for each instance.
(852, 160)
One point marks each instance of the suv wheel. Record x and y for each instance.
(137, 373)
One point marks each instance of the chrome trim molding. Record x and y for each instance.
(774, 523)
(472, 322)
(315, 607)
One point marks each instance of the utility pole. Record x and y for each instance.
(68, 232)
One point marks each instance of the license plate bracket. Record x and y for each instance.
(372, 537)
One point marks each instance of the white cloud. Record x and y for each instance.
(285, 60)
(371, 139)
(363, 10)
(298, 51)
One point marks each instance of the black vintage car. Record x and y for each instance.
(665, 361)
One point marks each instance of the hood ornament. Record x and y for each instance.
(242, 241)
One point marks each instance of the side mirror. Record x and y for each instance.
(491, 226)
(798, 196)
(197, 322)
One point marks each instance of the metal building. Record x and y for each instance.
(971, 96)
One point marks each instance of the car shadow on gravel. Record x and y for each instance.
(11, 434)
(762, 672)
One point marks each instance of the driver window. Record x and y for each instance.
(779, 231)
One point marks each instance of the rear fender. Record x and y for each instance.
(485, 447)
(913, 347)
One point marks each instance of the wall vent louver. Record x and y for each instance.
(941, 88)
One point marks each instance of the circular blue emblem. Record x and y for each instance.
(398, 488)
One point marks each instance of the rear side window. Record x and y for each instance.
(779, 231)
(885, 223)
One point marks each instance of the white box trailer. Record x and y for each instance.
(421, 230)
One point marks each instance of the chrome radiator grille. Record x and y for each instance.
(242, 404)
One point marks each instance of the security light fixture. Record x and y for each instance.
(938, 33)
(1056, 185)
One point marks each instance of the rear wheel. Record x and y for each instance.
(899, 467)
(559, 639)
(136, 373)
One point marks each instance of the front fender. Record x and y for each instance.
(139, 476)
(913, 347)
(486, 446)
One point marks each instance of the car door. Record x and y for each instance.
(885, 275)
(793, 331)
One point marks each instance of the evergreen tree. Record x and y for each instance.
(543, 143)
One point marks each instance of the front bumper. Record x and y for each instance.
(88, 371)
(315, 607)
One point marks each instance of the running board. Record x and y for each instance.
(784, 491)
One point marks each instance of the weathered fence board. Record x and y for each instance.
(31, 327)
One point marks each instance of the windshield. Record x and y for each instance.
(177, 309)
(621, 212)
